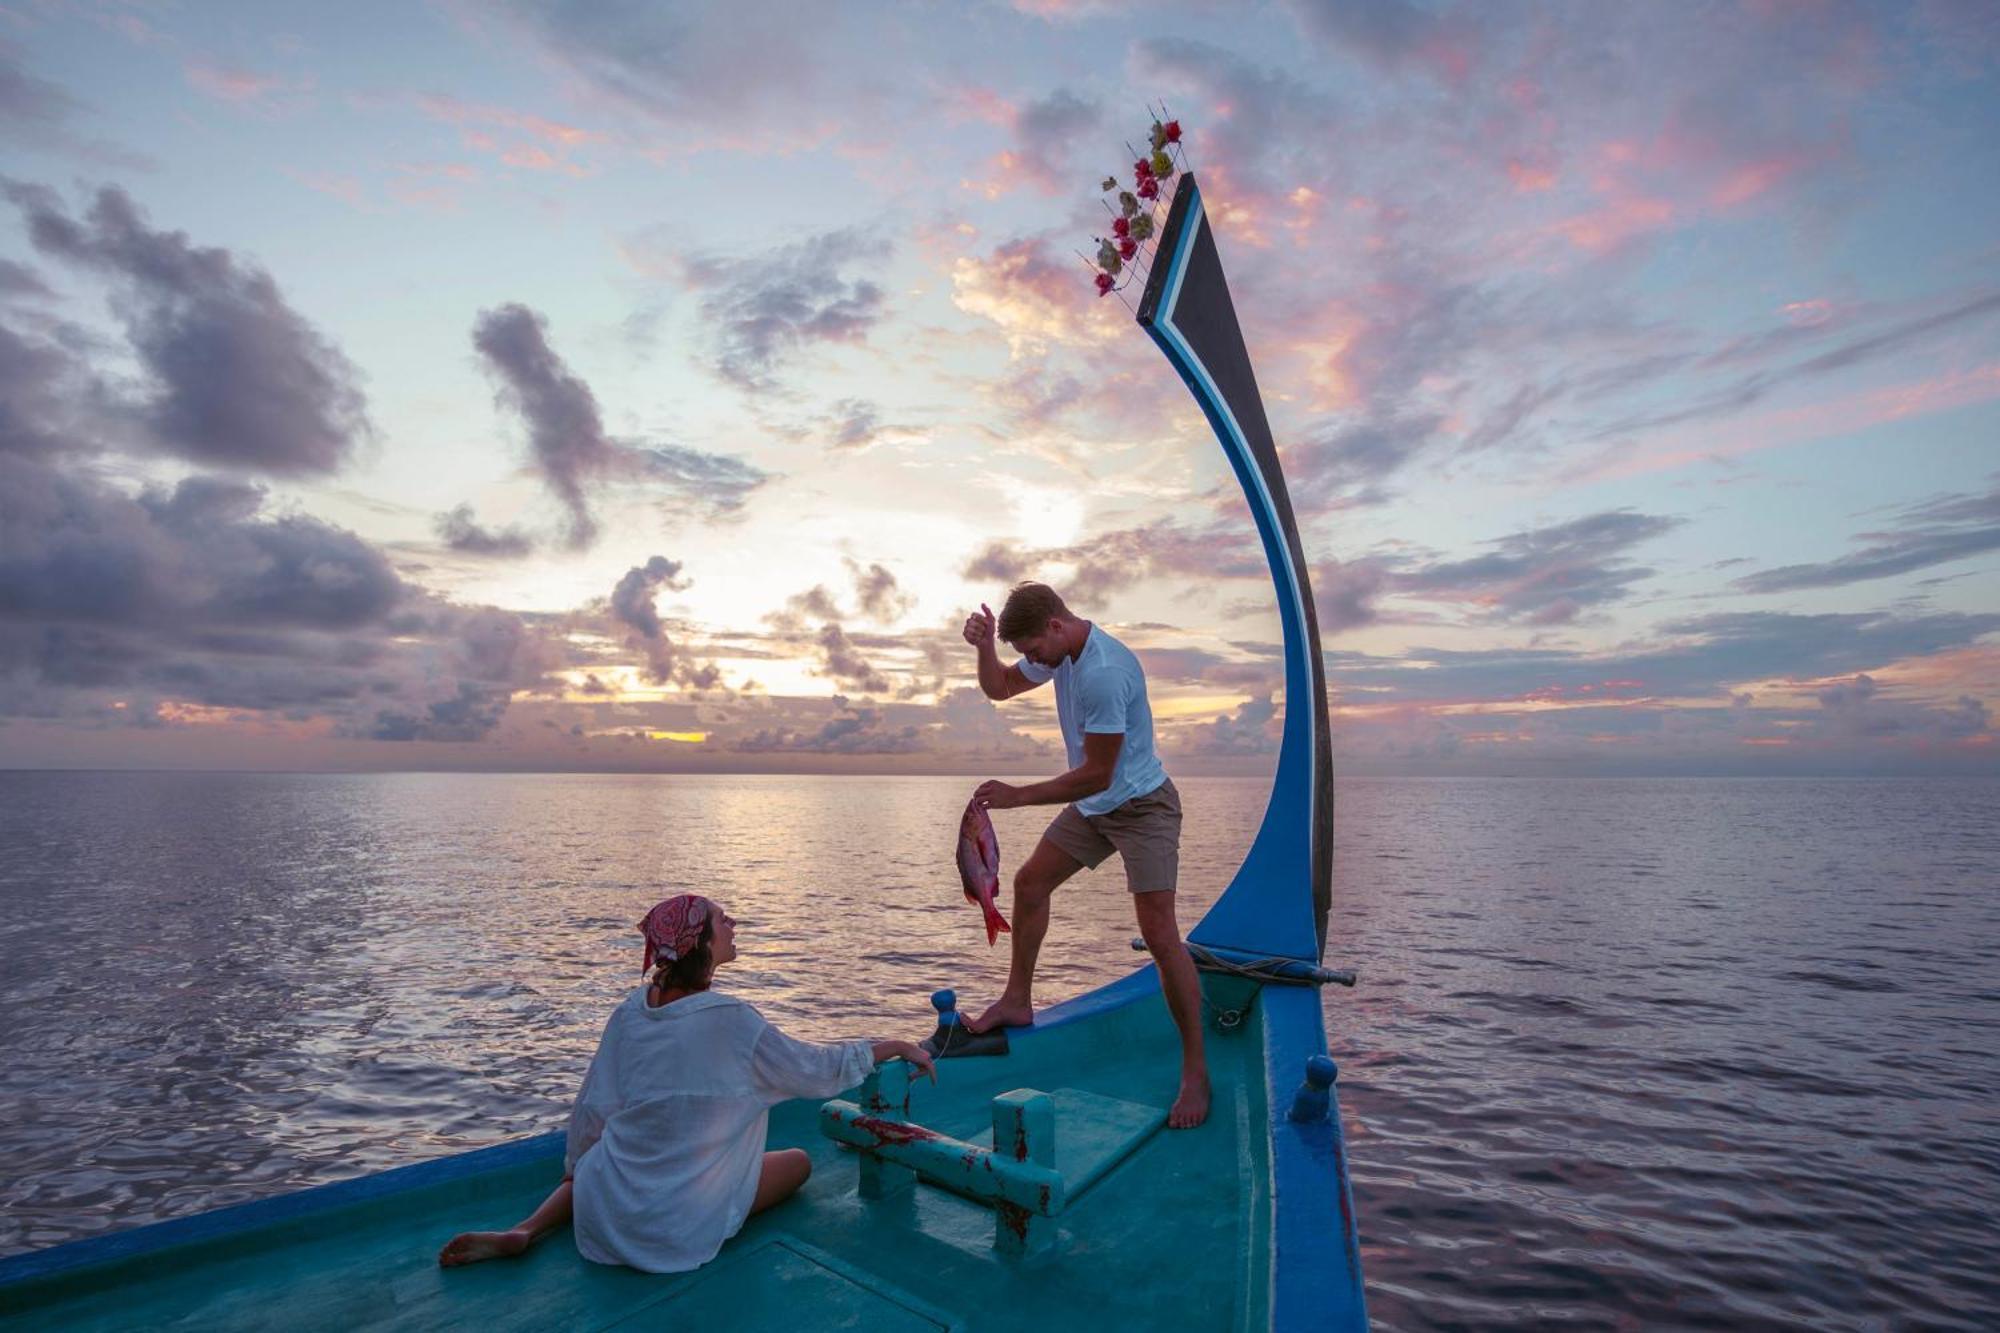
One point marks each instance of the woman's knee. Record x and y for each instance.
(788, 1168)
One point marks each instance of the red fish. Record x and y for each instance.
(979, 867)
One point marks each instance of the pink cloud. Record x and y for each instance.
(1034, 298)
(519, 139)
(247, 88)
(970, 102)
(455, 112)
(1529, 177)
(348, 189)
(1832, 418)
(1615, 223)
(1806, 314)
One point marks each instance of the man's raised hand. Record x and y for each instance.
(979, 627)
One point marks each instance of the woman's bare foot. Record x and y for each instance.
(474, 1246)
(1191, 1107)
(1004, 1013)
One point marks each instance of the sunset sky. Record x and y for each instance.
(642, 386)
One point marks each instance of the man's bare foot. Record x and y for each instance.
(1004, 1013)
(1191, 1107)
(473, 1246)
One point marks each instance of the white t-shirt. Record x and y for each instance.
(667, 1138)
(1102, 690)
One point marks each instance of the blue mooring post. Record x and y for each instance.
(1024, 1129)
(886, 1095)
(1311, 1102)
(953, 1038)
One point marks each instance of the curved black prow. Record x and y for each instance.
(1187, 310)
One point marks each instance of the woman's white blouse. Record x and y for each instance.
(667, 1137)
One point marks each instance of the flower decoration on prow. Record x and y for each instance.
(1120, 255)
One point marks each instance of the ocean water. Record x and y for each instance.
(1625, 1054)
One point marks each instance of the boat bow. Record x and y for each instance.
(1277, 903)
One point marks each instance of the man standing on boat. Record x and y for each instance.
(1115, 797)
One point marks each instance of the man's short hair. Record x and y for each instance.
(1028, 610)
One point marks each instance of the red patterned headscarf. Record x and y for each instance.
(674, 928)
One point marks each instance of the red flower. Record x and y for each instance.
(1173, 129)
(1104, 283)
(1142, 169)
(1149, 188)
(1127, 248)
(1121, 227)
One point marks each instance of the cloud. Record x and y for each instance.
(1746, 390)
(1708, 656)
(841, 660)
(632, 599)
(631, 605)
(77, 552)
(716, 485)
(973, 727)
(746, 76)
(856, 424)
(36, 114)
(1036, 395)
(1541, 576)
(29, 103)
(839, 657)
(877, 591)
(567, 438)
(762, 311)
(18, 281)
(1544, 576)
(565, 429)
(1118, 558)
(1509, 322)
(997, 562)
(1393, 34)
(519, 139)
(1344, 593)
(1089, 572)
(816, 602)
(461, 532)
(1040, 156)
(1251, 145)
(1935, 533)
(1037, 298)
(42, 385)
(1345, 466)
(268, 93)
(466, 716)
(853, 729)
(1859, 709)
(1249, 730)
(877, 595)
(193, 596)
(238, 378)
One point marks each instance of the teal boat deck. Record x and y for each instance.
(1176, 1234)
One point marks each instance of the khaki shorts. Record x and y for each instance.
(1145, 832)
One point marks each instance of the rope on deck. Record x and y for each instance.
(1276, 971)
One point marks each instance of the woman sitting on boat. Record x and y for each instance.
(666, 1152)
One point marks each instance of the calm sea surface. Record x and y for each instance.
(1626, 1053)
